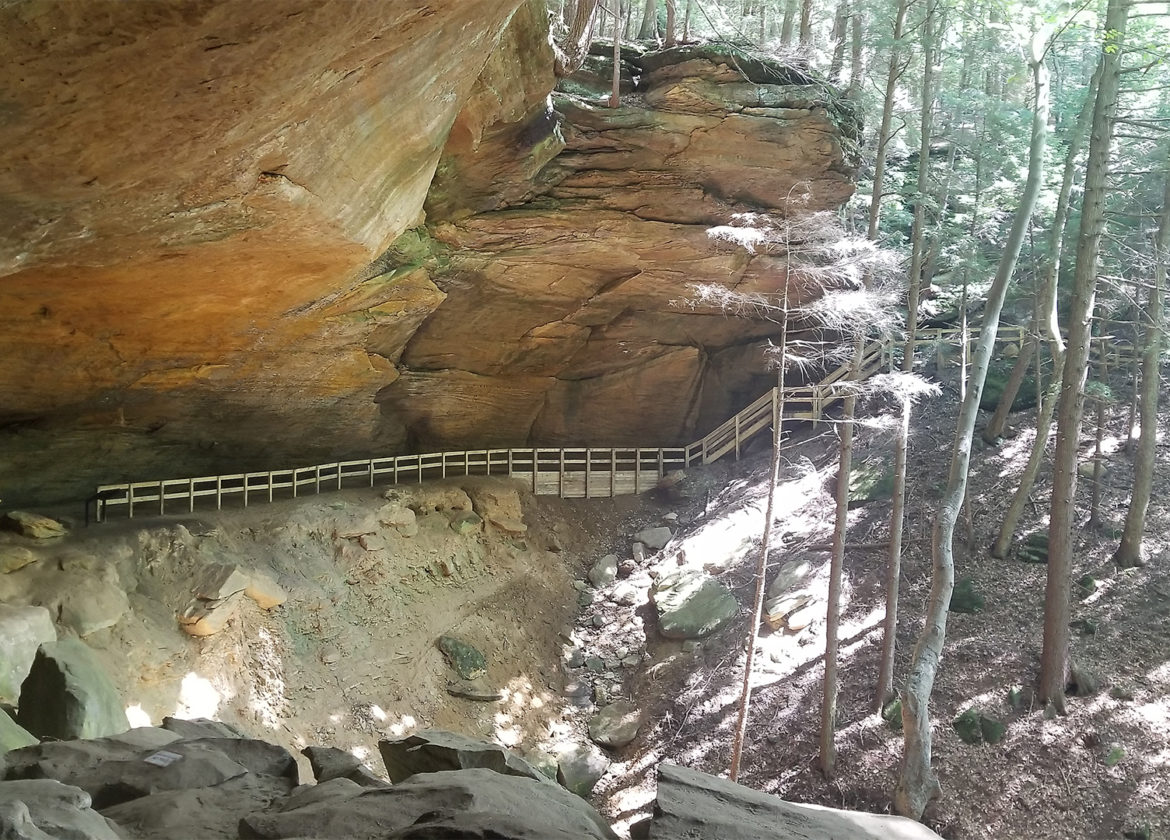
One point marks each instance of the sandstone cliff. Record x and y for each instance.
(213, 256)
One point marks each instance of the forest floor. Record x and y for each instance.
(1100, 771)
(350, 658)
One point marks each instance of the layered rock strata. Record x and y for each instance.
(221, 266)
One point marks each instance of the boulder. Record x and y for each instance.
(434, 750)
(1034, 548)
(333, 790)
(965, 598)
(330, 763)
(266, 592)
(580, 767)
(467, 661)
(399, 517)
(13, 736)
(73, 762)
(697, 806)
(200, 728)
(691, 603)
(778, 610)
(32, 525)
(206, 618)
(40, 809)
(976, 727)
(497, 501)
(67, 695)
(604, 571)
(466, 523)
(206, 813)
(218, 581)
(654, 538)
(91, 604)
(22, 631)
(15, 557)
(615, 725)
(448, 804)
(791, 575)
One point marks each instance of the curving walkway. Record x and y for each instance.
(589, 472)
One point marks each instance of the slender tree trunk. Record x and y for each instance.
(670, 22)
(885, 682)
(917, 783)
(745, 696)
(1050, 323)
(918, 229)
(789, 24)
(840, 32)
(615, 97)
(883, 137)
(994, 429)
(828, 754)
(686, 36)
(806, 7)
(1054, 656)
(1129, 553)
(649, 28)
(856, 58)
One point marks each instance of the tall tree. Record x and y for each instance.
(572, 49)
(896, 67)
(1049, 324)
(1054, 655)
(649, 28)
(917, 783)
(1129, 553)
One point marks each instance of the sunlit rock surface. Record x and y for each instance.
(213, 256)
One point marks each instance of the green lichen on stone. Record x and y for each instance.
(1034, 548)
(870, 482)
(965, 598)
(892, 714)
(465, 659)
(1114, 755)
(974, 727)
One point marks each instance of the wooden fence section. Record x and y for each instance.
(596, 472)
(569, 473)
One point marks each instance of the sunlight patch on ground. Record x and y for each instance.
(137, 716)
(269, 702)
(518, 696)
(198, 698)
(405, 726)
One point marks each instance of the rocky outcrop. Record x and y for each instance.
(234, 245)
(150, 784)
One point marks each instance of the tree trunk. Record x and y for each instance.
(687, 22)
(670, 23)
(571, 52)
(649, 29)
(994, 429)
(884, 691)
(918, 228)
(883, 136)
(762, 566)
(840, 33)
(917, 783)
(615, 97)
(1054, 656)
(1050, 323)
(806, 23)
(789, 24)
(856, 62)
(828, 754)
(1129, 553)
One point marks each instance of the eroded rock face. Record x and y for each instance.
(223, 265)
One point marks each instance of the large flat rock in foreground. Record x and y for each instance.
(696, 806)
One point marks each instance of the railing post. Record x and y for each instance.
(317, 470)
(130, 500)
(534, 464)
(612, 473)
(245, 489)
(588, 469)
(191, 495)
(219, 492)
(295, 479)
(338, 475)
(371, 466)
(661, 466)
(270, 486)
(162, 498)
(638, 470)
(561, 476)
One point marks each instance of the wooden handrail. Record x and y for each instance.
(583, 472)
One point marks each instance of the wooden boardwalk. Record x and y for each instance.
(571, 473)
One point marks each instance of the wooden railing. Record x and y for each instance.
(594, 472)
